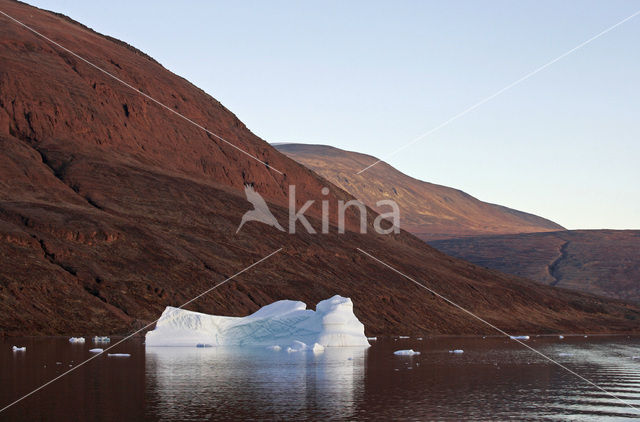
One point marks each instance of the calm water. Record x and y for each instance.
(495, 379)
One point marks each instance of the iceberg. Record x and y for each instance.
(19, 349)
(561, 337)
(284, 323)
(519, 337)
(118, 355)
(409, 352)
(76, 340)
(456, 351)
(96, 350)
(101, 339)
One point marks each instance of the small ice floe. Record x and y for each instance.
(101, 339)
(635, 357)
(58, 363)
(118, 355)
(586, 336)
(372, 338)
(561, 337)
(275, 348)
(519, 337)
(96, 350)
(456, 351)
(404, 337)
(565, 354)
(419, 338)
(297, 346)
(19, 349)
(202, 345)
(409, 352)
(76, 340)
(317, 348)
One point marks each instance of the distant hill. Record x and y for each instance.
(604, 262)
(428, 210)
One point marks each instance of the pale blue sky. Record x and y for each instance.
(371, 76)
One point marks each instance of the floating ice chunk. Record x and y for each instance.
(456, 351)
(419, 338)
(101, 339)
(372, 338)
(76, 340)
(317, 348)
(409, 352)
(203, 345)
(19, 349)
(118, 355)
(561, 337)
(275, 348)
(297, 346)
(404, 337)
(635, 357)
(96, 350)
(519, 337)
(565, 354)
(332, 324)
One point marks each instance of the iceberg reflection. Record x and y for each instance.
(218, 382)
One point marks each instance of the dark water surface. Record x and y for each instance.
(494, 379)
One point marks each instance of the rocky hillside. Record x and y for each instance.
(603, 262)
(429, 211)
(112, 207)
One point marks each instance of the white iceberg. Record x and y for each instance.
(285, 322)
(456, 351)
(404, 337)
(519, 337)
(76, 340)
(561, 337)
(96, 350)
(19, 349)
(101, 339)
(118, 355)
(275, 348)
(409, 352)
(372, 338)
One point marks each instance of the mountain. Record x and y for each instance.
(427, 210)
(603, 262)
(113, 207)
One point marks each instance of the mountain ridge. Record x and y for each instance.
(428, 210)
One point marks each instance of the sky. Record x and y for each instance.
(372, 76)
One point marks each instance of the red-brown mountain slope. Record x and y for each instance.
(603, 262)
(429, 211)
(112, 208)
